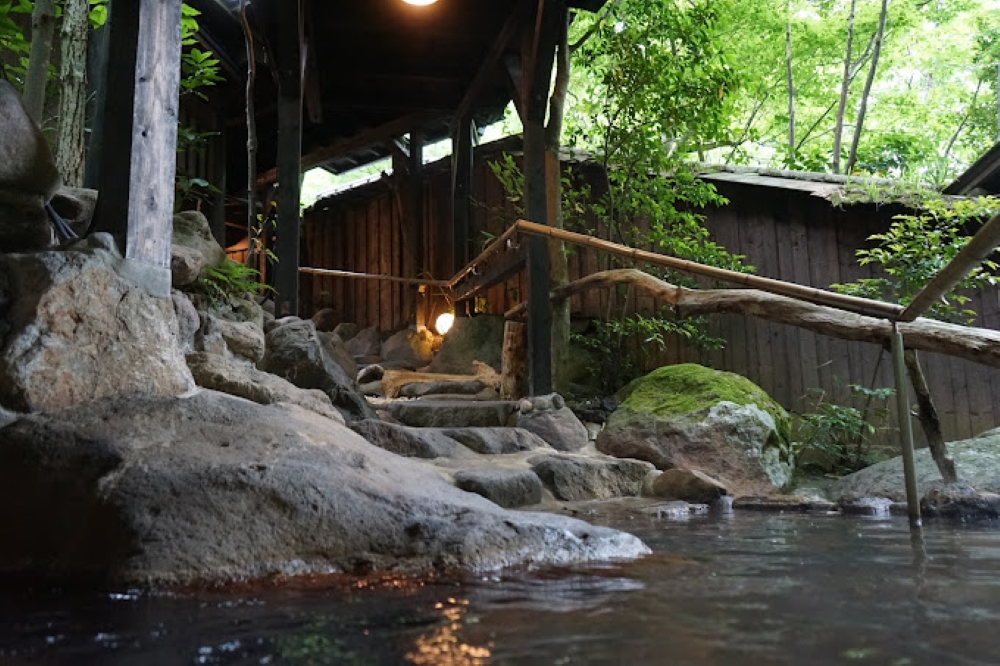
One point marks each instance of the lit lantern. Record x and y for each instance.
(444, 323)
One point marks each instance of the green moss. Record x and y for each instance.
(675, 390)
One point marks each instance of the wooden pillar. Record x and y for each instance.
(538, 55)
(286, 274)
(461, 198)
(415, 219)
(218, 171)
(98, 47)
(139, 154)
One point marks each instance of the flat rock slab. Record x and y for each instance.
(493, 441)
(507, 487)
(577, 478)
(688, 485)
(409, 442)
(421, 389)
(977, 462)
(452, 414)
(211, 488)
(222, 374)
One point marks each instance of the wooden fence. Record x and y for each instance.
(785, 230)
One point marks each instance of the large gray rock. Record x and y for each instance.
(470, 339)
(977, 462)
(211, 488)
(227, 376)
(507, 487)
(693, 417)
(688, 485)
(409, 346)
(960, 501)
(336, 349)
(409, 442)
(28, 178)
(79, 324)
(495, 441)
(243, 338)
(327, 320)
(188, 320)
(294, 352)
(577, 478)
(192, 231)
(346, 331)
(548, 417)
(366, 343)
(452, 414)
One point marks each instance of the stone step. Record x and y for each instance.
(453, 413)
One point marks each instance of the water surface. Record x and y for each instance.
(747, 589)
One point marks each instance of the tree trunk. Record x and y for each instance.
(927, 414)
(558, 264)
(70, 149)
(514, 361)
(859, 125)
(791, 84)
(845, 85)
(43, 27)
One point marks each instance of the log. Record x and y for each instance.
(514, 363)
(978, 345)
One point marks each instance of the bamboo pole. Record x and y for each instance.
(983, 243)
(369, 276)
(855, 304)
(905, 427)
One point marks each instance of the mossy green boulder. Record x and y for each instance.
(692, 417)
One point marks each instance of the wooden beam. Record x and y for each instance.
(415, 206)
(489, 66)
(286, 281)
(502, 267)
(376, 135)
(461, 191)
(139, 157)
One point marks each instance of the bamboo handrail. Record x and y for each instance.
(855, 304)
(370, 276)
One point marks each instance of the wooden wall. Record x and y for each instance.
(784, 232)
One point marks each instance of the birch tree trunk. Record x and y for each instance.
(845, 86)
(71, 147)
(43, 27)
(859, 125)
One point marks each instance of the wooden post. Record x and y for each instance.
(461, 202)
(539, 53)
(905, 427)
(415, 205)
(139, 153)
(513, 379)
(286, 279)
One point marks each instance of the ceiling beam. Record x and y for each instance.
(493, 59)
(376, 135)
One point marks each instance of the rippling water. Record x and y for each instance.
(748, 589)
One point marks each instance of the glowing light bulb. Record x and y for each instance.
(420, 3)
(444, 323)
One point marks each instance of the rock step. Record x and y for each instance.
(453, 413)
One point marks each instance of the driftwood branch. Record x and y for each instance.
(973, 344)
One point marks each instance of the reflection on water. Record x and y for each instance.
(751, 589)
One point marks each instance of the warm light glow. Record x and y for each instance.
(444, 322)
(420, 2)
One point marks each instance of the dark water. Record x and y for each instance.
(751, 589)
